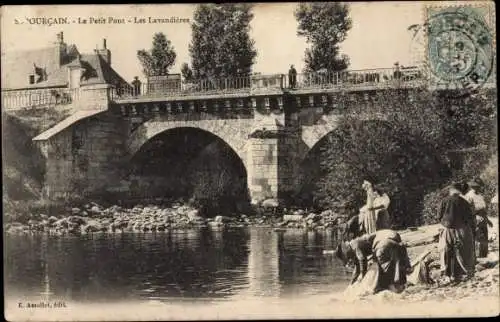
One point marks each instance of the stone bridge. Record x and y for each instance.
(269, 126)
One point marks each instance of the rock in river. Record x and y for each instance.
(292, 217)
(270, 203)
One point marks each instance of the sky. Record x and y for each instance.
(378, 38)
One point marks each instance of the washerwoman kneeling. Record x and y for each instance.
(390, 261)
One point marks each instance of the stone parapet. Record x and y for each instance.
(96, 97)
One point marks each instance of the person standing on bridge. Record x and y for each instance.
(136, 84)
(292, 77)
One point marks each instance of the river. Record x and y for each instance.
(237, 273)
(190, 265)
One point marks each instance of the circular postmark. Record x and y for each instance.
(460, 49)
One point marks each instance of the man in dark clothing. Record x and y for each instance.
(397, 71)
(455, 239)
(136, 83)
(292, 77)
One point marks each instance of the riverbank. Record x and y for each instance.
(481, 289)
(93, 218)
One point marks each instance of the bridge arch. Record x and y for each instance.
(189, 163)
(311, 156)
(312, 135)
(232, 132)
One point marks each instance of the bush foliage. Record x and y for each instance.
(407, 152)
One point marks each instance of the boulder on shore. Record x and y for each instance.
(62, 223)
(52, 219)
(270, 203)
(222, 219)
(95, 210)
(215, 224)
(312, 217)
(91, 226)
(293, 217)
(193, 215)
(77, 219)
(299, 212)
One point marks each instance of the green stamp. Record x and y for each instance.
(460, 47)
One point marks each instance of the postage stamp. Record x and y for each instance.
(229, 161)
(460, 46)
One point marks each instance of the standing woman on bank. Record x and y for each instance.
(381, 204)
(376, 205)
(367, 219)
(455, 238)
(476, 200)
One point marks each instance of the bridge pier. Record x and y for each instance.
(272, 158)
(263, 168)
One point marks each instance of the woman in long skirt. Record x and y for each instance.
(456, 241)
(367, 216)
(374, 215)
(390, 260)
(478, 204)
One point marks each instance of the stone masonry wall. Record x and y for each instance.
(289, 163)
(94, 97)
(263, 169)
(85, 158)
(59, 166)
(105, 140)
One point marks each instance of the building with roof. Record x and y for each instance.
(55, 75)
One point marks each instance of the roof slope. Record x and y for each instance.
(17, 67)
(75, 117)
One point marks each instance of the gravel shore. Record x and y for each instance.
(93, 218)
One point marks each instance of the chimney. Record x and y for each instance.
(60, 50)
(60, 38)
(105, 53)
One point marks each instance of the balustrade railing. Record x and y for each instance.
(368, 78)
(36, 98)
(204, 86)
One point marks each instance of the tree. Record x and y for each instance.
(160, 58)
(221, 45)
(325, 26)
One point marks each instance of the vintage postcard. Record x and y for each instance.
(250, 161)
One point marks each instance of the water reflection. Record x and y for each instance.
(192, 264)
(304, 269)
(263, 264)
